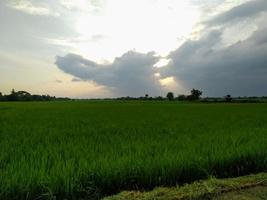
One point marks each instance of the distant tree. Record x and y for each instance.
(1, 96)
(228, 98)
(170, 96)
(195, 94)
(26, 96)
(23, 96)
(159, 98)
(181, 97)
(12, 96)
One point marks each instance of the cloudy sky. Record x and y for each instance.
(108, 48)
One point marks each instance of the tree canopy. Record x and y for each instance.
(26, 96)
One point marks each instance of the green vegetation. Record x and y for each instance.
(26, 96)
(253, 187)
(91, 149)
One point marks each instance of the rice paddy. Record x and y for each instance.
(88, 150)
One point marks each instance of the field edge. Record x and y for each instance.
(206, 189)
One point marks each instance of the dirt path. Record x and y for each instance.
(254, 193)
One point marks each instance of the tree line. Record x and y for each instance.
(26, 96)
(195, 95)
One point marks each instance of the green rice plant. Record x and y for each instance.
(85, 149)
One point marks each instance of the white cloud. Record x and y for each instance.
(30, 8)
(79, 5)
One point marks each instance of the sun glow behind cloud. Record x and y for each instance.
(143, 25)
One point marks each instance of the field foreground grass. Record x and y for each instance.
(88, 150)
(253, 187)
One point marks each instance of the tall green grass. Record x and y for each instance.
(89, 149)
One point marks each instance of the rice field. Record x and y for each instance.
(87, 150)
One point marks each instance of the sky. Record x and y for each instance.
(111, 48)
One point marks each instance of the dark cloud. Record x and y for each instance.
(238, 69)
(245, 10)
(131, 74)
